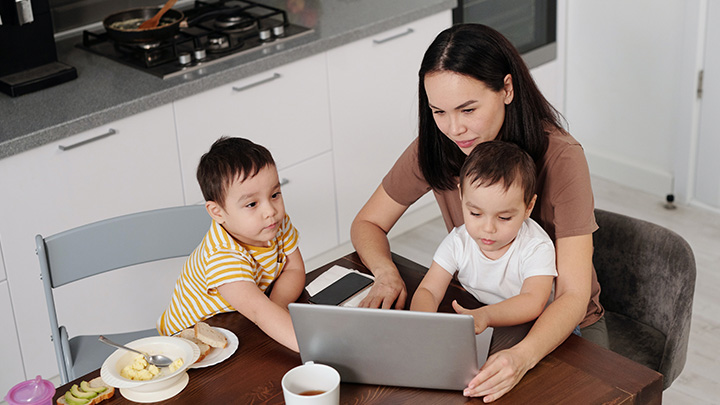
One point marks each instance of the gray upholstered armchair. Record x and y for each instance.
(647, 276)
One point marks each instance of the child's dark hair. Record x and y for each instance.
(499, 162)
(227, 160)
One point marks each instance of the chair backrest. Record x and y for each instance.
(123, 241)
(647, 273)
(111, 244)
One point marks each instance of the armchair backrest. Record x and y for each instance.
(647, 273)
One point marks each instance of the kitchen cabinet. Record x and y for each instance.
(11, 371)
(126, 166)
(310, 201)
(373, 104)
(284, 109)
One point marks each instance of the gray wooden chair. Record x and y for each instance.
(111, 244)
(647, 276)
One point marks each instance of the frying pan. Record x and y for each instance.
(168, 26)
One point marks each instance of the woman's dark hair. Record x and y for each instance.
(227, 160)
(480, 52)
(499, 162)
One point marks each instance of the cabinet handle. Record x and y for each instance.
(263, 81)
(75, 145)
(284, 181)
(396, 36)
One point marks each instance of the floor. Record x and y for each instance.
(698, 383)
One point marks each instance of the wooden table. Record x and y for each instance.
(576, 372)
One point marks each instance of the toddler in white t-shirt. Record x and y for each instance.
(501, 256)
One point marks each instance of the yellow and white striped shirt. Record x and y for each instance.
(220, 259)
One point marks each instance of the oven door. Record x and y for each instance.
(531, 25)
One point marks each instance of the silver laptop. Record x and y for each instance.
(391, 347)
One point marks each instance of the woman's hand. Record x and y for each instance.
(388, 288)
(500, 373)
(369, 236)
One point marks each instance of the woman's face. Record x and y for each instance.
(465, 109)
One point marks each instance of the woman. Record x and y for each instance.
(474, 87)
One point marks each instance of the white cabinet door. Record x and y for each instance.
(133, 166)
(11, 371)
(310, 201)
(707, 166)
(373, 100)
(284, 109)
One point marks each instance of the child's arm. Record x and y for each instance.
(431, 290)
(253, 304)
(516, 310)
(291, 282)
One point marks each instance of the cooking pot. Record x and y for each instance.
(122, 26)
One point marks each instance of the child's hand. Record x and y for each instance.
(481, 321)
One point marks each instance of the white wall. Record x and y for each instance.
(627, 80)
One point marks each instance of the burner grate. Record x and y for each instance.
(212, 31)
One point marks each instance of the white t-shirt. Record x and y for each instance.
(491, 281)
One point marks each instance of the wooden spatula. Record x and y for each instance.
(155, 20)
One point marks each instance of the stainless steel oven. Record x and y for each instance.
(531, 25)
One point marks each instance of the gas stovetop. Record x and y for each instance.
(212, 32)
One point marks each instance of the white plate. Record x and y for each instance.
(166, 392)
(219, 355)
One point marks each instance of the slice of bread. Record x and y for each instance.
(189, 334)
(94, 383)
(208, 335)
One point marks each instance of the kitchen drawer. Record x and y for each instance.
(309, 198)
(284, 109)
(127, 166)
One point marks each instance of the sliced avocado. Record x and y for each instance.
(79, 394)
(71, 400)
(85, 386)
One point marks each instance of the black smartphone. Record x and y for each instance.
(341, 290)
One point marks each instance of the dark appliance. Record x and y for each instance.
(28, 58)
(531, 25)
(211, 32)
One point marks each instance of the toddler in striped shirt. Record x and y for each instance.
(251, 244)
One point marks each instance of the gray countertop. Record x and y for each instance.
(106, 90)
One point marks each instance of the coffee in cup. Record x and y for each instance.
(311, 383)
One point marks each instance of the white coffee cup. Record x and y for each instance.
(311, 383)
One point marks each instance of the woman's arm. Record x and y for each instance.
(431, 290)
(291, 282)
(369, 237)
(503, 370)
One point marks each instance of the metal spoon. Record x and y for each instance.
(156, 359)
